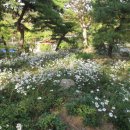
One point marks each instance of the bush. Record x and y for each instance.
(30, 91)
(45, 47)
(50, 121)
(92, 120)
(65, 46)
(88, 112)
(84, 56)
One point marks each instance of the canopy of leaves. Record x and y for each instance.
(114, 15)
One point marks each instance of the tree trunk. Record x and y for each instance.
(59, 42)
(85, 27)
(5, 44)
(85, 40)
(20, 26)
(110, 49)
(21, 30)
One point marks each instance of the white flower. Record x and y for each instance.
(92, 91)
(51, 90)
(113, 108)
(39, 98)
(102, 103)
(111, 114)
(28, 87)
(97, 90)
(115, 117)
(126, 99)
(7, 125)
(127, 110)
(77, 91)
(96, 104)
(104, 109)
(19, 126)
(77, 77)
(58, 75)
(96, 98)
(0, 127)
(99, 110)
(106, 102)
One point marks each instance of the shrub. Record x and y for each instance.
(84, 56)
(50, 121)
(65, 46)
(45, 47)
(87, 111)
(31, 94)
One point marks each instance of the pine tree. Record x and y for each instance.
(2, 2)
(22, 10)
(51, 16)
(113, 17)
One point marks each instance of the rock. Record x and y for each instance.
(125, 52)
(67, 83)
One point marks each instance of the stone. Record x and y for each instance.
(67, 83)
(125, 52)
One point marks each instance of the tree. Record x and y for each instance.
(21, 11)
(51, 17)
(82, 8)
(18, 10)
(113, 17)
(2, 2)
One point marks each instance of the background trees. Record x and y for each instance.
(81, 10)
(51, 17)
(30, 11)
(1, 8)
(113, 17)
(108, 21)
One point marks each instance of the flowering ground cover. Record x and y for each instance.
(31, 95)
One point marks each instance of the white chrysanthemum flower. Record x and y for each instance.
(96, 104)
(102, 103)
(19, 126)
(127, 110)
(97, 90)
(77, 91)
(104, 109)
(110, 114)
(7, 125)
(126, 99)
(39, 98)
(106, 102)
(115, 117)
(92, 91)
(99, 110)
(113, 108)
(96, 98)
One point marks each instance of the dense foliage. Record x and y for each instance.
(113, 17)
(46, 76)
(31, 93)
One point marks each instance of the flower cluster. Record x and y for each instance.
(28, 73)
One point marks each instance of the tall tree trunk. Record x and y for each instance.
(59, 42)
(5, 44)
(85, 26)
(21, 30)
(84, 33)
(110, 49)
(20, 26)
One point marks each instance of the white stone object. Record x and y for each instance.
(67, 83)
